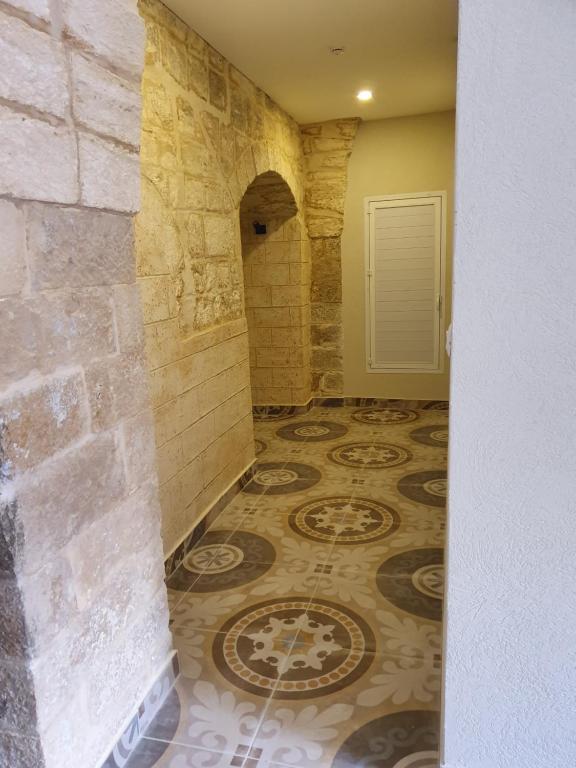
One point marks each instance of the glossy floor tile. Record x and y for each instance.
(308, 617)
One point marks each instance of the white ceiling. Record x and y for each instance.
(404, 50)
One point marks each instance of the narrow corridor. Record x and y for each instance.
(308, 617)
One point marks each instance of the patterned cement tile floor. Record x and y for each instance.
(308, 617)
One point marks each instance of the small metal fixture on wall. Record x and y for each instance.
(259, 229)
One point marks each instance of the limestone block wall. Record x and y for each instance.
(84, 618)
(207, 132)
(327, 148)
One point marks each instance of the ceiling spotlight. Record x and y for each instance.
(364, 95)
(337, 50)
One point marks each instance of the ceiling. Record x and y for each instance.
(404, 50)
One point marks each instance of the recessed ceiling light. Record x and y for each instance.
(337, 50)
(365, 95)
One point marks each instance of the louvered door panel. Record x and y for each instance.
(405, 267)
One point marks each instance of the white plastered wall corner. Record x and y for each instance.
(511, 605)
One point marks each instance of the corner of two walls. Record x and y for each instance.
(327, 149)
(85, 621)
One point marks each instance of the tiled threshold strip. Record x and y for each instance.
(139, 722)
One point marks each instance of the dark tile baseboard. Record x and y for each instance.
(177, 556)
(279, 412)
(140, 721)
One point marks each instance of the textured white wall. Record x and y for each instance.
(511, 606)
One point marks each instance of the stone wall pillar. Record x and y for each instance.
(84, 625)
(327, 149)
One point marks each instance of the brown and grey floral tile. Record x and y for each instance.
(308, 616)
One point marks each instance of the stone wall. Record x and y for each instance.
(327, 148)
(277, 293)
(84, 620)
(207, 132)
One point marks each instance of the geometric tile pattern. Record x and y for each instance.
(307, 618)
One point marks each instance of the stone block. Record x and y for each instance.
(42, 421)
(38, 8)
(109, 175)
(20, 340)
(74, 247)
(170, 458)
(77, 325)
(32, 67)
(117, 389)
(232, 411)
(165, 384)
(271, 274)
(273, 357)
(327, 291)
(220, 236)
(288, 295)
(104, 102)
(198, 437)
(126, 530)
(326, 335)
(89, 479)
(13, 635)
(198, 77)
(172, 417)
(21, 751)
(192, 480)
(111, 29)
(12, 249)
(156, 107)
(155, 293)
(18, 701)
(273, 317)
(218, 91)
(139, 449)
(326, 359)
(39, 159)
(258, 297)
(162, 343)
(128, 314)
(289, 377)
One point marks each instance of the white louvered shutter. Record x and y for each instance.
(405, 265)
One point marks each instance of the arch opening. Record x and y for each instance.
(276, 267)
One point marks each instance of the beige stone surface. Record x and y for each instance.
(85, 626)
(104, 102)
(39, 159)
(109, 175)
(327, 149)
(111, 29)
(12, 249)
(32, 67)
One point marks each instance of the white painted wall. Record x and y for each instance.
(510, 697)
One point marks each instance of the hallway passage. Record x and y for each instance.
(308, 617)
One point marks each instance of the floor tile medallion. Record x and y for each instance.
(312, 431)
(279, 478)
(344, 520)
(224, 560)
(385, 416)
(369, 455)
(399, 740)
(427, 487)
(435, 434)
(293, 647)
(414, 582)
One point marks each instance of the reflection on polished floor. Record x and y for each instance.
(308, 617)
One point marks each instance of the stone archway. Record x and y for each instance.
(276, 267)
